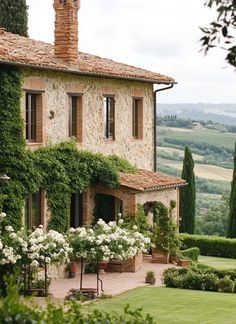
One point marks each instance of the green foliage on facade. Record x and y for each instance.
(14, 17)
(13, 156)
(60, 170)
(232, 203)
(188, 195)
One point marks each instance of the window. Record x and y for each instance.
(76, 210)
(137, 118)
(33, 117)
(75, 117)
(33, 210)
(109, 118)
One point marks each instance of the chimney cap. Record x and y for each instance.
(67, 1)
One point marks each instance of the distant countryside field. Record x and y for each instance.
(212, 152)
(205, 171)
(206, 136)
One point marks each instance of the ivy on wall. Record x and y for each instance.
(60, 169)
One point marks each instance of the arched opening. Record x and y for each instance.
(107, 207)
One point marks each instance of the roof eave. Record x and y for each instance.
(159, 188)
(73, 71)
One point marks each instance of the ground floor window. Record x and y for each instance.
(33, 210)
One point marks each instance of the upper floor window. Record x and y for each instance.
(33, 210)
(33, 117)
(109, 117)
(137, 118)
(75, 117)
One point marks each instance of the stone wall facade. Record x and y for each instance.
(165, 196)
(130, 199)
(55, 90)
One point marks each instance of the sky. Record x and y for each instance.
(158, 35)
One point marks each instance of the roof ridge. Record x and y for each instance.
(21, 50)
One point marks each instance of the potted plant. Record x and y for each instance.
(150, 277)
(71, 269)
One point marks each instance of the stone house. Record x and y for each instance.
(107, 106)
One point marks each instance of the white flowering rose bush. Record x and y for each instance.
(107, 242)
(47, 247)
(35, 249)
(12, 244)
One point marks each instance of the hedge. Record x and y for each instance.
(210, 245)
(200, 277)
(191, 253)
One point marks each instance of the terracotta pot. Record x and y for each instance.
(184, 263)
(71, 269)
(102, 265)
(160, 256)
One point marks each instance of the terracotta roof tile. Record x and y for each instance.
(21, 50)
(144, 180)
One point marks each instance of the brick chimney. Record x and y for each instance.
(66, 30)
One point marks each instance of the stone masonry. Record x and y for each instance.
(55, 90)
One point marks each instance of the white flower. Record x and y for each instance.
(101, 222)
(2, 215)
(47, 260)
(121, 221)
(9, 228)
(13, 235)
(34, 263)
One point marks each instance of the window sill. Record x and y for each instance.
(109, 140)
(133, 139)
(34, 144)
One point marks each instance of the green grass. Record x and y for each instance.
(169, 305)
(210, 137)
(219, 263)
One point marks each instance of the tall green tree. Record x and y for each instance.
(188, 195)
(232, 203)
(14, 17)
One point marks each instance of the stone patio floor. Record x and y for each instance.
(113, 282)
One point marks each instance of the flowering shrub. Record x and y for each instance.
(47, 247)
(35, 249)
(107, 241)
(11, 243)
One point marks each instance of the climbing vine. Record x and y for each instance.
(60, 169)
(165, 233)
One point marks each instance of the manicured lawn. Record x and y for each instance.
(219, 263)
(168, 305)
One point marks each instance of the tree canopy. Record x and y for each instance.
(14, 17)
(221, 31)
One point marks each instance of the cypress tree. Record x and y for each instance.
(232, 203)
(188, 195)
(14, 17)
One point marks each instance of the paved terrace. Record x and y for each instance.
(113, 282)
